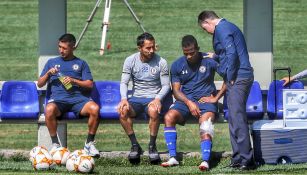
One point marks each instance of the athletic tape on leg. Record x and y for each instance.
(206, 127)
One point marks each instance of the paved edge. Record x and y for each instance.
(10, 153)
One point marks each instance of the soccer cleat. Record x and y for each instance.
(204, 166)
(91, 150)
(171, 162)
(134, 156)
(153, 154)
(54, 147)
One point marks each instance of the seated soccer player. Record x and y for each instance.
(192, 78)
(150, 78)
(68, 77)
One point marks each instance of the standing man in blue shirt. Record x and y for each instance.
(192, 78)
(67, 94)
(231, 53)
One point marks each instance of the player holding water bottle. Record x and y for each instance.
(69, 77)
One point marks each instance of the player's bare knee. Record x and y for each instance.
(50, 111)
(152, 110)
(124, 114)
(94, 109)
(153, 113)
(169, 119)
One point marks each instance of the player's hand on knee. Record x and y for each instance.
(123, 106)
(156, 103)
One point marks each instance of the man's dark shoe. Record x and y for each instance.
(134, 156)
(245, 167)
(153, 155)
(234, 165)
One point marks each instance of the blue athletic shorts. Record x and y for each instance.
(183, 109)
(140, 105)
(74, 104)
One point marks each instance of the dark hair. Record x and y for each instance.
(189, 40)
(144, 36)
(69, 38)
(206, 15)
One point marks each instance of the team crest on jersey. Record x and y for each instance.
(202, 69)
(153, 71)
(75, 67)
(57, 66)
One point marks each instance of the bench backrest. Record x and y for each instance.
(254, 104)
(19, 100)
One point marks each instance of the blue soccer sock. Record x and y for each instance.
(170, 135)
(205, 146)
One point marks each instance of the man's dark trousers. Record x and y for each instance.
(237, 94)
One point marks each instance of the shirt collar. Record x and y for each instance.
(219, 21)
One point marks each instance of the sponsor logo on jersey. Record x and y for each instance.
(184, 72)
(202, 69)
(75, 67)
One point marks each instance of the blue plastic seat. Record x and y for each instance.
(271, 97)
(107, 95)
(19, 100)
(254, 105)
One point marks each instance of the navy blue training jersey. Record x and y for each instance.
(75, 68)
(197, 80)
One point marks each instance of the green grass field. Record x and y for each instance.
(168, 21)
(111, 137)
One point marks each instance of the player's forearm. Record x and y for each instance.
(165, 87)
(300, 75)
(221, 92)
(124, 85)
(180, 96)
(43, 80)
(163, 92)
(87, 84)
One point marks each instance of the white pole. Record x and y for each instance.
(105, 24)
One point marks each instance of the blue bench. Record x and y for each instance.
(105, 93)
(19, 100)
(254, 104)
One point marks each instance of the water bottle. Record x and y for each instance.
(67, 86)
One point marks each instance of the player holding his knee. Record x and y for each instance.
(192, 78)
